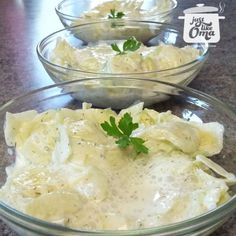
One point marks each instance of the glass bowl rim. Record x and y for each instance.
(60, 12)
(207, 218)
(67, 29)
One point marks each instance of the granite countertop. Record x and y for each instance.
(24, 22)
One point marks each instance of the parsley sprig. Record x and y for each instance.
(131, 44)
(115, 15)
(123, 131)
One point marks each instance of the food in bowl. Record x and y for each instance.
(72, 12)
(122, 57)
(125, 56)
(75, 38)
(184, 102)
(96, 169)
(131, 9)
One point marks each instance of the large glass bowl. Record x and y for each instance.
(184, 102)
(70, 11)
(150, 33)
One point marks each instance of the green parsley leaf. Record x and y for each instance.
(126, 124)
(138, 145)
(115, 47)
(123, 142)
(120, 14)
(123, 131)
(131, 44)
(111, 128)
(115, 15)
(112, 15)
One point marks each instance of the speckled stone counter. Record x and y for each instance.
(24, 23)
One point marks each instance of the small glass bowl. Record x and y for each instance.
(70, 11)
(149, 33)
(186, 103)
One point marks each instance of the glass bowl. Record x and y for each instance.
(71, 12)
(149, 33)
(186, 103)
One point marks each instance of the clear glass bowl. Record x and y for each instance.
(150, 33)
(183, 102)
(70, 11)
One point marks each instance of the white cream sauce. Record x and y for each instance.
(102, 58)
(132, 9)
(68, 171)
